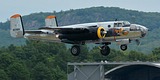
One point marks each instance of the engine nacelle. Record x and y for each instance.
(93, 33)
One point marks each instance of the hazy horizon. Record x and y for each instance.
(8, 8)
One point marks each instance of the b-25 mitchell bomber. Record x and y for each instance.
(102, 33)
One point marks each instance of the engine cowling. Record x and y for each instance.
(101, 32)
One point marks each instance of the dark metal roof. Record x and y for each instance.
(115, 63)
(128, 68)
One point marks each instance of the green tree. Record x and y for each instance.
(95, 55)
(3, 75)
(59, 74)
(116, 55)
(151, 57)
(156, 52)
(11, 47)
(41, 72)
(18, 71)
(6, 59)
(136, 56)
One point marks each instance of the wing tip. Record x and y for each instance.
(50, 17)
(15, 16)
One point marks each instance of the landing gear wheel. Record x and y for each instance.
(105, 50)
(123, 47)
(75, 50)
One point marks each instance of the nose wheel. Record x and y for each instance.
(75, 50)
(105, 50)
(123, 47)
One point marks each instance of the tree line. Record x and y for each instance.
(48, 61)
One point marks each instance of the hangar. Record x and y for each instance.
(123, 71)
(145, 71)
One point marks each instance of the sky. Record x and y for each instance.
(26, 7)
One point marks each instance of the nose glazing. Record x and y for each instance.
(144, 30)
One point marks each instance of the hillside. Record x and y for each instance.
(94, 14)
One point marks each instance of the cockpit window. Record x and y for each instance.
(138, 27)
(126, 24)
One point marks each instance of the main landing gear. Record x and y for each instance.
(75, 50)
(123, 47)
(105, 50)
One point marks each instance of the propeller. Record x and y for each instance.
(101, 32)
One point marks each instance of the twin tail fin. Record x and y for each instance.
(16, 26)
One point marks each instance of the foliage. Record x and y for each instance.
(18, 71)
(48, 61)
(3, 75)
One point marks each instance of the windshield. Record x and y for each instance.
(126, 23)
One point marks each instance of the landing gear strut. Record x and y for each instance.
(105, 50)
(123, 47)
(75, 50)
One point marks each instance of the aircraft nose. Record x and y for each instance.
(144, 30)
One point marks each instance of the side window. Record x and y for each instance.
(115, 24)
(138, 27)
(119, 24)
(109, 26)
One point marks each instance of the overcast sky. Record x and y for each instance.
(26, 7)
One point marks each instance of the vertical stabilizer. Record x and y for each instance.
(51, 21)
(16, 26)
